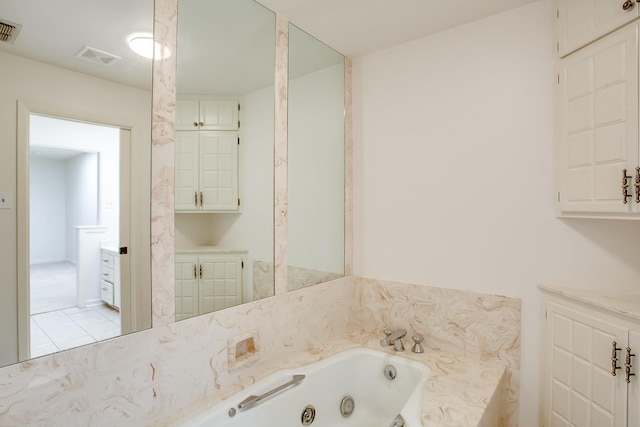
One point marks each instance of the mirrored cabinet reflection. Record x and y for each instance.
(223, 154)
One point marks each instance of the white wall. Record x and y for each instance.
(316, 164)
(82, 198)
(454, 174)
(47, 210)
(55, 88)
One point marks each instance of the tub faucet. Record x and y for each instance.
(394, 338)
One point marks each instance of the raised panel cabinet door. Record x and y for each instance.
(187, 295)
(582, 21)
(219, 171)
(221, 283)
(598, 125)
(583, 391)
(633, 387)
(187, 114)
(187, 157)
(218, 115)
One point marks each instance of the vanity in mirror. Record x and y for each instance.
(75, 173)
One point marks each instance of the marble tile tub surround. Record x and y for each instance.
(468, 323)
(144, 378)
(150, 376)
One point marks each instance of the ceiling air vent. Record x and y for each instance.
(9, 31)
(96, 55)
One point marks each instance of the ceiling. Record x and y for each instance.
(55, 34)
(359, 27)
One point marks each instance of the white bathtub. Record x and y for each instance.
(358, 374)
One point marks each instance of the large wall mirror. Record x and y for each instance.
(224, 154)
(316, 162)
(75, 138)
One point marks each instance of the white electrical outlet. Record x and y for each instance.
(5, 201)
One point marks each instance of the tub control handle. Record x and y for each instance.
(252, 400)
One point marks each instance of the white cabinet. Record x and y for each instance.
(583, 21)
(110, 277)
(206, 171)
(207, 282)
(590, 375)
(206, 114)
(597, 107)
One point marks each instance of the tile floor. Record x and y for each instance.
(56, 324)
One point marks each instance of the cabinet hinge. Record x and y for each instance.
(238, 106)
(558, 78)
(238, 201)
(558, 196)
(557, 46)
(238, 123)
(545, 314)
(558, 13)
(238, 140)
(242, 264)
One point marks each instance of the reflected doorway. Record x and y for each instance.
(74, 230)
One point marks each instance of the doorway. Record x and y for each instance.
(74, 191)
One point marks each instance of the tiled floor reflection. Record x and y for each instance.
(56, 324)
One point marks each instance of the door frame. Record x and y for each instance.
(24, 111)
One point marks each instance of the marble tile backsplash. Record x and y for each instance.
(471, 324)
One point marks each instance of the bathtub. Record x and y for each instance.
(355, 388)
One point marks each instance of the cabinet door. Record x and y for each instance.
(187, 114)
(219, 171)
(633, 388)
(219, 115)
(598, 124)
(186, 171)
(583, 21)
(221, 282)
(583, 391)
(186, 286)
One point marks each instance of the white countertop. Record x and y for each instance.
(626, 304)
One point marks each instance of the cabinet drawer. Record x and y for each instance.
(106, 292)
(107, 274)
(107, 260)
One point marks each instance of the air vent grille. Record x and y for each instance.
(9, 31)
(96, 55)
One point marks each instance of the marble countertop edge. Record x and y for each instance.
(626, 304)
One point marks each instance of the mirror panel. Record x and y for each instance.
(224, 189)
(316, 174)
(57, 89)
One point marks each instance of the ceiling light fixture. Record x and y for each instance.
(144, 45)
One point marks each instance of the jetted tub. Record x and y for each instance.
(371, 388)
